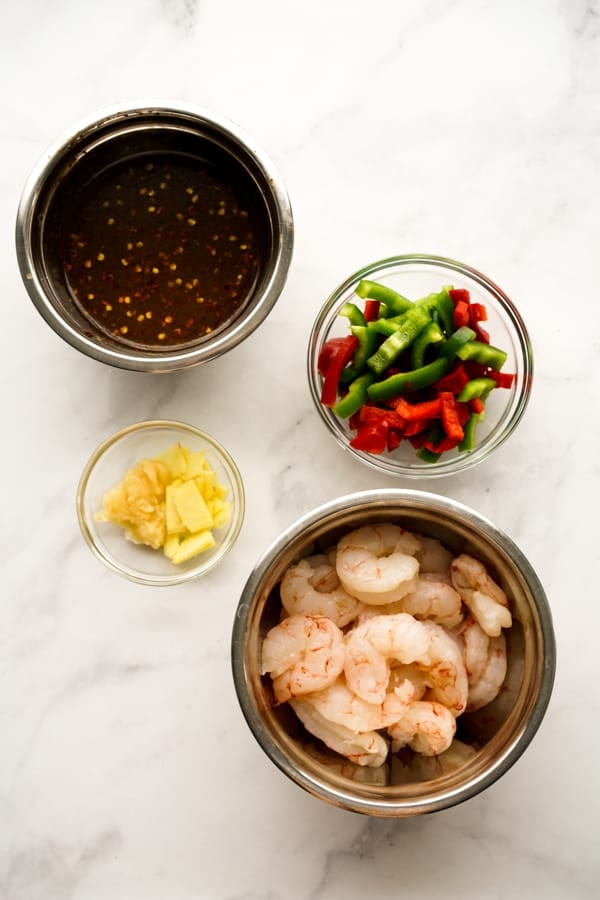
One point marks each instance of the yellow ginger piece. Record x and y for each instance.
(192, 508)
(172, 501)
(193, 545)
(176, 459)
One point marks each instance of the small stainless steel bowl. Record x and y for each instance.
(116, 134)
(500, 731)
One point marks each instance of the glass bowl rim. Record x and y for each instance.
(501, 431)
(136, 575)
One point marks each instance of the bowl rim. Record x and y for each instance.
(178, 577)
(370, 499)
(443, 467)
(168, 360)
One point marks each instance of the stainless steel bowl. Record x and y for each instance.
(500, 731)
(112, 135)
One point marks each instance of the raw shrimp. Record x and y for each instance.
(410, 672)
(427, 727)
(372, 646)
(445, 669)
(376, 563)
(486, 600)
(340, 705)
(484, 689)
(476, 645)
(366, 749)
(433, 556)
(433, 598)
(312, 588)
(302, 654)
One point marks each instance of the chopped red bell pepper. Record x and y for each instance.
(442, 446)
(475, 369)
(393, 439)
(476, 405)
(454, 380)
(478, 312)
(370, 438)
(450, 419)
(418, 440)
(353, 421)
(460, 294)
(384, 418)
(416, 427)
(502, 379)
(328, 351)
(428, 409)
(371, 310)
(341, 356)
(463, 412)
(461, 314)
(480, 333)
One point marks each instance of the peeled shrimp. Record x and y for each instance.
(476, 645)
(371, 646)
(312, 587)
(433, 556)
(427, 727)
(486, 600)
(487, 687)
(302, 654)
(410, 672)
(376, 563)
(445, 669)
(366, 749)
(340, 705)
(433, 598)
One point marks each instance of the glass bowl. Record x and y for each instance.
(106, 468)
(415, 276)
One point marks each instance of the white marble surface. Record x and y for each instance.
(457, 127)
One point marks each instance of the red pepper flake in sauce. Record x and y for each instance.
(120, 269)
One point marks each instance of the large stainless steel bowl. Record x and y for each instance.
(500, 731)
(113, 135)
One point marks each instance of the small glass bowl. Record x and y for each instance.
(414, 276)
(106, 468)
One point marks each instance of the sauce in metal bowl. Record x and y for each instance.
(159, 249)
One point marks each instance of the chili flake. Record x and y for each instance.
(132, 255)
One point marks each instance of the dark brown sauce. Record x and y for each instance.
(160, 250)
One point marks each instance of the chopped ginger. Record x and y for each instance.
(173, 502)
(137, 503)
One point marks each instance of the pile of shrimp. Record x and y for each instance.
(384, 641)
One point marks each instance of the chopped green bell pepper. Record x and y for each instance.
(395, 303)
(469, 428)
(476, 387)
(367, 344)
(427, 455)
(461, 336)
(413, 323)
(356, 396)
(432, 334)
(405, 382)
(440, 303)
(484, 354)
(353, 313)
